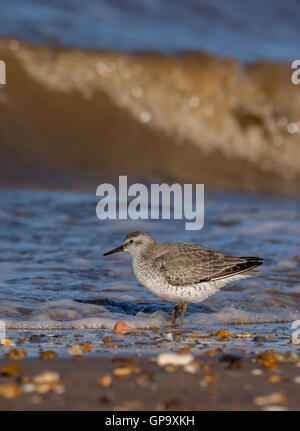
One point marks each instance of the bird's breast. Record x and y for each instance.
(141, 270)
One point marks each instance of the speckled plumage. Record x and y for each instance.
(183, 272)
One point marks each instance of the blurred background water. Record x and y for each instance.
(259, 30)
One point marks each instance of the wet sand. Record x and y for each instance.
(219, 371)
(222, 382)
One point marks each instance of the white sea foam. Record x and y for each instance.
(68, 314)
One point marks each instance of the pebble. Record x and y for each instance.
(274, 379)
(75, 350)
(48, 354)
(191, 368)
(174, 359)
(7, 342)
(11, 370)
(87, 347)
(46, 377)
(16, 354)
(295, 340)
(10, 390)
(105, 381)
(275, 398)
(28, 388)
(125, 371)
(169, 336)
(256, 372)
(260, 339)
(244, 335)
(122, 327)
(59, 389)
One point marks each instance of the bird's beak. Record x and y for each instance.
(115, 250)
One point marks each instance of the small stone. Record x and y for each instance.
(44, 388)
(48, 354)
(7, 342)
(125, 371)
(105, 381)
(243, 335)
(11, 370)
(224, 333)
(16, 354)
(28, 388)
(256, 372)
(87, 347)
(259, 339)
(10, 390)
(268, 360)
(174, 359)
(295, 340)
(47, 377)
(75, 350)
(275, 398)
(274, 379)
(191, 368)
(122, 327)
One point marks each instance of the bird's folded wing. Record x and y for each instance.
(194, 264)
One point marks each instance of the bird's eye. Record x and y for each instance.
(131, 241)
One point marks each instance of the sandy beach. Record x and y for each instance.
(198, 376)
(222, 382)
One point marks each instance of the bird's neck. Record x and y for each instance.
(143, 254)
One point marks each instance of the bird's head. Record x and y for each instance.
(134, 243)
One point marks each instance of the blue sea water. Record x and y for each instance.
(249, 31)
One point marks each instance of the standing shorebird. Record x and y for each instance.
(183, 272)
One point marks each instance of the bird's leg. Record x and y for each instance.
(177, 310)
(183, 310)
(174, 314)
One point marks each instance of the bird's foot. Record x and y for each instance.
(183, 310)
(174, 315)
